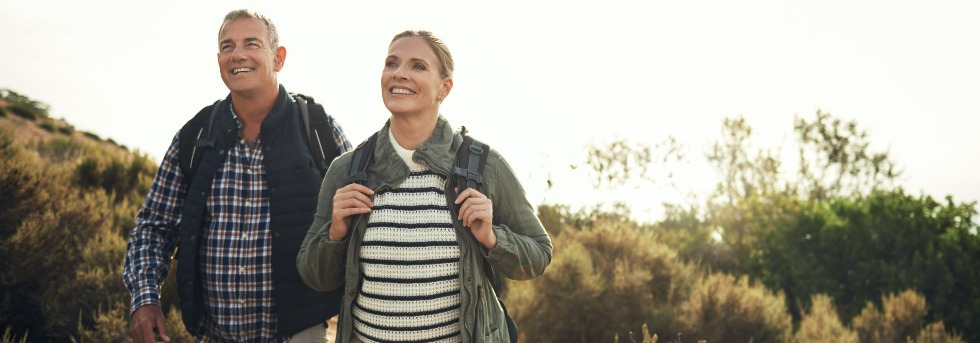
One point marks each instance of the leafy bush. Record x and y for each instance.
(822, 324)
(25, 111)
(62, 244)
(3, 111)
(61, 149)
(66, 130)
(603, 281)
(722, 309)
(47, 125)
(92, 136)
(901, 320)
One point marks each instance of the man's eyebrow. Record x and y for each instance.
(223, 41)
(253, 39)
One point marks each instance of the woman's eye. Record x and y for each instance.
(391, 64)
(418, 66)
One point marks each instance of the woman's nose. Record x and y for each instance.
(400, 74)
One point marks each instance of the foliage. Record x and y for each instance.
(723, 309)
(9, 337)
(47, 125)
(115, 175)
(62, 243)
(606, 280)
(92, 136)
(23, 106)
(621, 162)
(3, 111)
(901, 320)
(835, 159)
(856, 249)
(822, 324)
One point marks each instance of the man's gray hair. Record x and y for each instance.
(246, 13)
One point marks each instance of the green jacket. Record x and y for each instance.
(523, 248)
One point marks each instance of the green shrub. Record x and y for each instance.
(60, 149)
(722, 309)
(3, 111)
(67, 130)
(92, 136)
(900, 320)
(822, 324)
(25, 111)
(603, 281)
(47, 125)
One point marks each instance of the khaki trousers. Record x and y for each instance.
(315, 334)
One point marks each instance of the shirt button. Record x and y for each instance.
(241, 301)
(248, 203)
(241, 141)
(241, 270)
(244, 235)
(248, 171)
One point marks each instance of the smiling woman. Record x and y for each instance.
(414, 250)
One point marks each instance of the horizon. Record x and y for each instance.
(587, 74)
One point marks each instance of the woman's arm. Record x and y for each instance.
(523, 250)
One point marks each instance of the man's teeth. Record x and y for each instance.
(401, 91)
(241, 70)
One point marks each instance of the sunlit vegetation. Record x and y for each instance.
(837, 252)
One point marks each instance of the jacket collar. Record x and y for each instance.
(437, 152)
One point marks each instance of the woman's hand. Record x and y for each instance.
(476, 213)
(349, 200)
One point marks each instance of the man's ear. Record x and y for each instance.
(280, 57)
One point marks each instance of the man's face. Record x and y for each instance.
(245, 57)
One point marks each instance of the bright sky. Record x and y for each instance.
(540, 81)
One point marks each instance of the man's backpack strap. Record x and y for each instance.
(318, 128)
(360, 160)
(195, 136)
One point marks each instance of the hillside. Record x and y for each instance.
(68, 201)
(42, 129)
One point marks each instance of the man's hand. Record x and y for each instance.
(144, 321)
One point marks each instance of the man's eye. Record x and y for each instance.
(225, 47)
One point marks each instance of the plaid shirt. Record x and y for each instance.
(236, 249)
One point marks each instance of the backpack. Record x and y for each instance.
(471, 159)
(197, 134)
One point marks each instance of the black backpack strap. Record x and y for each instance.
(196, 136)
(471, 157)
(319, 131)
(471, 160)
(360, 160)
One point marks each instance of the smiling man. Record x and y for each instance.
(236, 193)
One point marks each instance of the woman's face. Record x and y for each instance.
(410, 82)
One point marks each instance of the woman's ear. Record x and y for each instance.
(447, 86)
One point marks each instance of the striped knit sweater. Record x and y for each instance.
(410, 263)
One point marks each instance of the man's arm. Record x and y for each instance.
(153, 240)
(340, 139)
